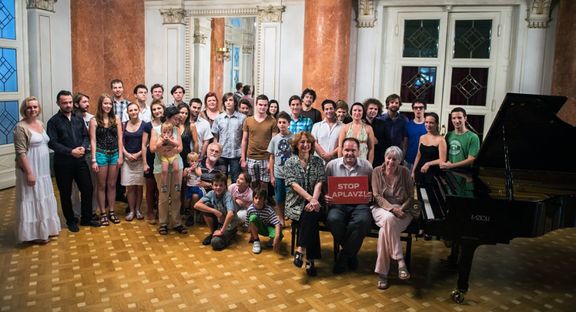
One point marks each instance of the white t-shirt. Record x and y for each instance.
(204, 132)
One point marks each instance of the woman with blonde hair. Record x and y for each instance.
(106, 142)
(36, 209)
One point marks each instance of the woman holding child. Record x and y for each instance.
(166, 147)
(304, 175)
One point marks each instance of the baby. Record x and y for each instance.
(168, 157)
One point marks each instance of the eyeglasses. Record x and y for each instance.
(418, 107)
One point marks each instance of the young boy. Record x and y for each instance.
(280, 150)
(168, 157)
(264, 221)
(193, 191)
(463, 144)
(219, 215)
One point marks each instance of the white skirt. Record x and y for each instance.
(132, 173)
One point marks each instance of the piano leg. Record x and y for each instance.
(467, 249)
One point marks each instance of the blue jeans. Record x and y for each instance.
(234, 164)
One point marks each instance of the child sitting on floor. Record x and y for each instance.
(263, 220)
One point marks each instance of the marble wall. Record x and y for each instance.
(107, 43)
(564, 66)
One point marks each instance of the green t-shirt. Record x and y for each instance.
(460, 146)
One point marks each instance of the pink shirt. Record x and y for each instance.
(246, 196)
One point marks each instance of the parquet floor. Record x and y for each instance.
(129, 267)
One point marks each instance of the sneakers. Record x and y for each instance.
(207, 240)
(256, 247)
(73, 227)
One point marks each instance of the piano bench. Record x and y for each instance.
(405, 236)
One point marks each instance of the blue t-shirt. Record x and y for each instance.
(413, 132)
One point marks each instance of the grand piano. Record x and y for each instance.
(523, 183)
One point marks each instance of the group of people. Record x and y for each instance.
(278, 164)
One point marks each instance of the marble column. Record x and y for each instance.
(564, 68)
(327, 48)
(216, 58)
(103, 49)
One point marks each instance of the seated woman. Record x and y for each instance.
(304, 175)
(393, 193)
(431, 152)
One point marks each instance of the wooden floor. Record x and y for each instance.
(129, 267)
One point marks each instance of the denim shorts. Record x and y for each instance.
(280, 191)
(106, 158)
(191, 190)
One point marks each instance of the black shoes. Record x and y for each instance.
(73, 227)
(353, 263)
(92, 223)
(298, 259)
(311, 269)
(207, 240)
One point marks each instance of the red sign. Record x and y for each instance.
(349, 190)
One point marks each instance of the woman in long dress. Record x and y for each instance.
(36, 208)
(359, 130)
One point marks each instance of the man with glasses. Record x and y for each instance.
(414, 129)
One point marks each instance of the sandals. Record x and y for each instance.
(139, 215)
(104, 220)
(163, 229)
(112, 216)
(383, 282)
(181, 229)
(403, 273)
(298, 259)
(130, 216)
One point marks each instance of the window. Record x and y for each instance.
(448, 58)
(10, 56)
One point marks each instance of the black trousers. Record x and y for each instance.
(74, 170)
(349, 225)
(309, 234)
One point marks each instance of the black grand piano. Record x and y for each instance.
(523, 183)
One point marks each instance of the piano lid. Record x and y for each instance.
(537, 134)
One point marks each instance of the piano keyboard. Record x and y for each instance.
(426, 202)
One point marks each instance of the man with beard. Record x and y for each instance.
(326, 132)
(120, 103)
(211, 165)
(373, 109)
(81, 107)
(394, 125)
(202, 126)
(308, 97)
(69, 141)
(349, 223)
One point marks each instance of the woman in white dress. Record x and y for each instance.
(36, 208)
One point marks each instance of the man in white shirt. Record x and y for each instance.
(326, 132)
(141, 94)
(202, 126)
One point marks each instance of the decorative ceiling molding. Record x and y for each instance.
(538, 13)
(237, 12)
(173, 16)
(46, 5)
(270, 14)
(366, 16)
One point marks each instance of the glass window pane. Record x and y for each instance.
(418, 83)
(472, 39)
(7, 20)
(469, 86)
(8, 74)
(421, 38)
(9, 116)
